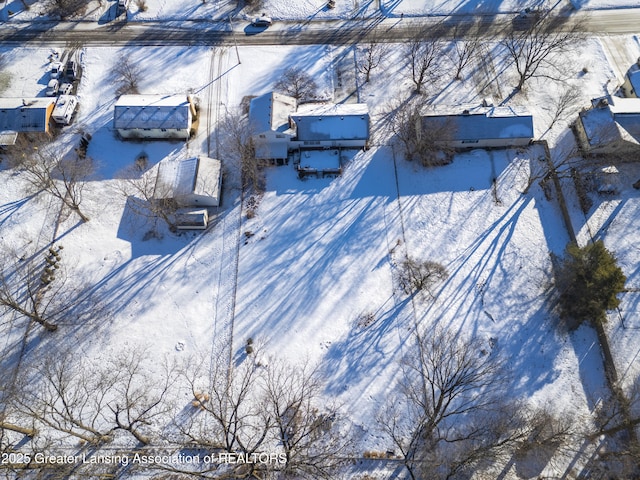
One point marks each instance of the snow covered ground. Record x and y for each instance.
(105, 10)
(320, 253)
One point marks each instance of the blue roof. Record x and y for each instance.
(332, 122)
(482, 123)
(25, 115)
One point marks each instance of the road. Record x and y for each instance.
(337, 32)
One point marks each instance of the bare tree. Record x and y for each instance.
(415, 275)
(463, 52)
(448, 386)
(34, 288)
(423, 55)
(226, 414)
(430, 146)
(305, 425)
(64, 394)
(46, 170)
(565, 105)
(128, 76)
(534, 51)
(371, 57)
(139, 398)
(147, 196)
(92, 401)
(237, 139)
(298, 84)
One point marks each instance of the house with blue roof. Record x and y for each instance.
(479, 126)
(331, 125)
(24, 115)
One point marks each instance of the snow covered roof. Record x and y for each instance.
(267, 147)
(480, 123)
(25, 114)
(331, 121)
(8, 138)
(271, 112)
(193, 176)
(612, 119)
(152, 111)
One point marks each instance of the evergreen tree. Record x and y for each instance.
(589, 282)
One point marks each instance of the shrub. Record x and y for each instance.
(415, 275)
(589, 281)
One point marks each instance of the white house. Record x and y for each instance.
(18, 115)
(269, 124)
(611, 126)
(194, 182)
(331, 125)
(154, 116)
(480, 126)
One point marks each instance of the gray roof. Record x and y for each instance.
(481, 123)
(612, 119)
(197, 176)
(8, 138)
(152, 111)
(271, 112)
(25, 114)
(332, 122)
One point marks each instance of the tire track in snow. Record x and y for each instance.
(229, 224)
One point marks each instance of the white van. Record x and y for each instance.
(65, 108)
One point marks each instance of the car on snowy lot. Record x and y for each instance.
(66, 89)
(71, 71)
(57, 69)
(52, 88)
(263, 21)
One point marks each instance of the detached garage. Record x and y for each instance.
(154, 116)
(194, 182)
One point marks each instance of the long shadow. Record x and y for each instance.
(364, 351)
(10, 208)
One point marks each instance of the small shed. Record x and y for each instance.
(194, 182)
(18, 115)
(154, 116)
(331, 125)
(480, 126)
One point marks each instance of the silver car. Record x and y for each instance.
(52, 88)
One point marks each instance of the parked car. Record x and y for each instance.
(57, 69)
(123, 5)
(52, 88)
(71, 72)
(66, 88)
(263, 21)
